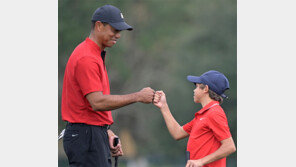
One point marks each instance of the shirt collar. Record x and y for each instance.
(207, 107)
(92, 44)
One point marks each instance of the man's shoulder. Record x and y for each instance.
(83, 53)
(82, 49)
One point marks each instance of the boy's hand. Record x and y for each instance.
(159, 99)
(194, 163)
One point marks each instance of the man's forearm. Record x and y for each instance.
(112, 102)
(100, 102)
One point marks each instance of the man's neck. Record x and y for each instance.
(94, 38)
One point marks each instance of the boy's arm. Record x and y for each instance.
(173, 126)
(227, 147)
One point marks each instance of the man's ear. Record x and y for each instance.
(99, 26)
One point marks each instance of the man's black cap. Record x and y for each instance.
(111, 15)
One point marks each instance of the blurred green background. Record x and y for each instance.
(171, 39)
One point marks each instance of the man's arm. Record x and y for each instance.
(117, 150)
(227, 147)
(100, 102)
(173, 126)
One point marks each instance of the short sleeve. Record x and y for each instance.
(188, 127)
(217, 122)
(88, 75)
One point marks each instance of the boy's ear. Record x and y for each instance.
(206, 89)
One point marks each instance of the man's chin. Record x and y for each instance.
(109, 45)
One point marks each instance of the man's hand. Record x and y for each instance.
(194, 163)
(159, 99)
(117, 150)
(146, 95)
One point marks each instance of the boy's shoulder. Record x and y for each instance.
(215, 110)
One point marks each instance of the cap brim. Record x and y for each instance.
(121, 26)
(194, 79)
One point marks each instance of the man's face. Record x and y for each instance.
(109, 36)
(198, 93)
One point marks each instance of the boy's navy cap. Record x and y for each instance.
(216, 81)
(111, 15)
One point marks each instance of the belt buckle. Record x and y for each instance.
(107, 127)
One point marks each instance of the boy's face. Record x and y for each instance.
(198, 93)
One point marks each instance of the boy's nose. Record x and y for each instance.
(117, 35)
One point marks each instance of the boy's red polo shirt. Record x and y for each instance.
(206, 130)
(85, 73)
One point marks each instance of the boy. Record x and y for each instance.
(210, 140)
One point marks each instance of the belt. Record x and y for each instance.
(103, 126)
(107, 126)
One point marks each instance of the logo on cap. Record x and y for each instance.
(121, 15)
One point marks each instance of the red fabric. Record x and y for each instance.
(206, 130)
(85, 73)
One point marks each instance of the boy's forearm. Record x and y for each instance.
(172, 125)
(225, 149)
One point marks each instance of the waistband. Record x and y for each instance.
(83, 124)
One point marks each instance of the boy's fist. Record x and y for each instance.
(159, 99)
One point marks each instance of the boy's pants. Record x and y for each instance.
(87, 145)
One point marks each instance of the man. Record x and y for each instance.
(209, 140)
(86, 99)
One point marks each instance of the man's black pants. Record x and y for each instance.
(87, 145)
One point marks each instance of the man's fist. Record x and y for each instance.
(146, 95)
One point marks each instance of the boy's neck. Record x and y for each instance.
(206, 100)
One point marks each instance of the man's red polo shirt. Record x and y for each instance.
(85, 73)
(206, 130)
